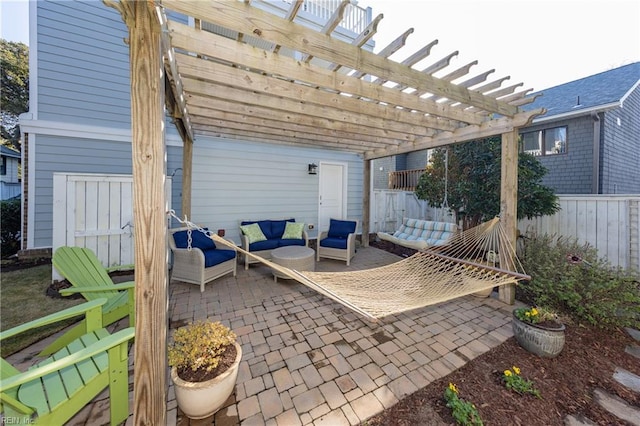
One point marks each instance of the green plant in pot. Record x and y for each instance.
(204, 358)
(538, 331)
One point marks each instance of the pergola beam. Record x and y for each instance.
(263, 25)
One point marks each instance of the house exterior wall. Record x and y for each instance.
(570, 173)
(380, 170)
(417, 159)
(79, 121)
(620, 164)
(244, 181)
(83, 64)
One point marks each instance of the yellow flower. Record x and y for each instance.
(507, 373)
(534, 311)
(453, 387)
(516, 370)
(527, 314)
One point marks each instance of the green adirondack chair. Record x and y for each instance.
(82, 268)
(58, 387)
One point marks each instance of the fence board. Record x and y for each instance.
(609, 223)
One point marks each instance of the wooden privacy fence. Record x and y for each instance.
(389, 207)
(610, 223)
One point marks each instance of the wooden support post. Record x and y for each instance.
(187, 172)
(509, 203)
(149, 213)
(366, 202)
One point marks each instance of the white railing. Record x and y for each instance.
(355, 18)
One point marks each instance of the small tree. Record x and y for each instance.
(473, 182)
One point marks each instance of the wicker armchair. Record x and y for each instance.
(189, 265)
(339, 242)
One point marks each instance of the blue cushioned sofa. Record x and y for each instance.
(339, 241)
(273, 230)
(204, 262)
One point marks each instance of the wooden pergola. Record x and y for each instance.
(265, 78)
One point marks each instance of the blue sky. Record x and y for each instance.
(541, 43)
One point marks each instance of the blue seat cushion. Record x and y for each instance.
(337, 243)
(290, 242)
(216, 256)
(198, 239)
(341, 228)
(263, 245)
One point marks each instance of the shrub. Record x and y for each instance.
(10, 227)
(569, 278)
(199, 346)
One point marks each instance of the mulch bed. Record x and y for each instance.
(566, 383)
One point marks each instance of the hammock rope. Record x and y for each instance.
(477, 259)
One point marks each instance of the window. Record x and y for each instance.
(545, 142)
(3, 166)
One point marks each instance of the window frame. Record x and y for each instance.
(541, 137)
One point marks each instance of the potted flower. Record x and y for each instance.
(204, 358)
(538, 331)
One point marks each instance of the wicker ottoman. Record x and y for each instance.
(300, 258)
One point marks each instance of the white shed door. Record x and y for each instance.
(95, 211)
(333, 194)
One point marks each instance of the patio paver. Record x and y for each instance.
(308, 360)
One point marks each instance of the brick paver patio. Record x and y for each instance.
(308, 360)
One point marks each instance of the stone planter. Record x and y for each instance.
(542, 341)
(199, 400)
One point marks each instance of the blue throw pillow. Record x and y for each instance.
(341, 228)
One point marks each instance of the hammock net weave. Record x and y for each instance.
(477, 259)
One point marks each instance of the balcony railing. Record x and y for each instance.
(355, 18)
(405, 180)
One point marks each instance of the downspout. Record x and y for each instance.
(595, 184)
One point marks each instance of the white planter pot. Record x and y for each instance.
(199, 400)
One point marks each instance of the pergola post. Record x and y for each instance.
(149, 211)
(187, 172)
(366, 202)
(509, 204)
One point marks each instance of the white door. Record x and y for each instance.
(333, 193)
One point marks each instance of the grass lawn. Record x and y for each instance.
(22, 299)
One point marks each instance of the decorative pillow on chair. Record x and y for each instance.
(293, 231)
(253, 232)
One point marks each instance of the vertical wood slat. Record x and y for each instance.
(148, 154)
(609, 223)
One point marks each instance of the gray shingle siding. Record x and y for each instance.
(621, 149)
(570, 173)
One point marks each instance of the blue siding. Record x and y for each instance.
(83, 64)
(240, 180)
(53, 154)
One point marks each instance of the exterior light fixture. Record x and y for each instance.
(313, 169)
